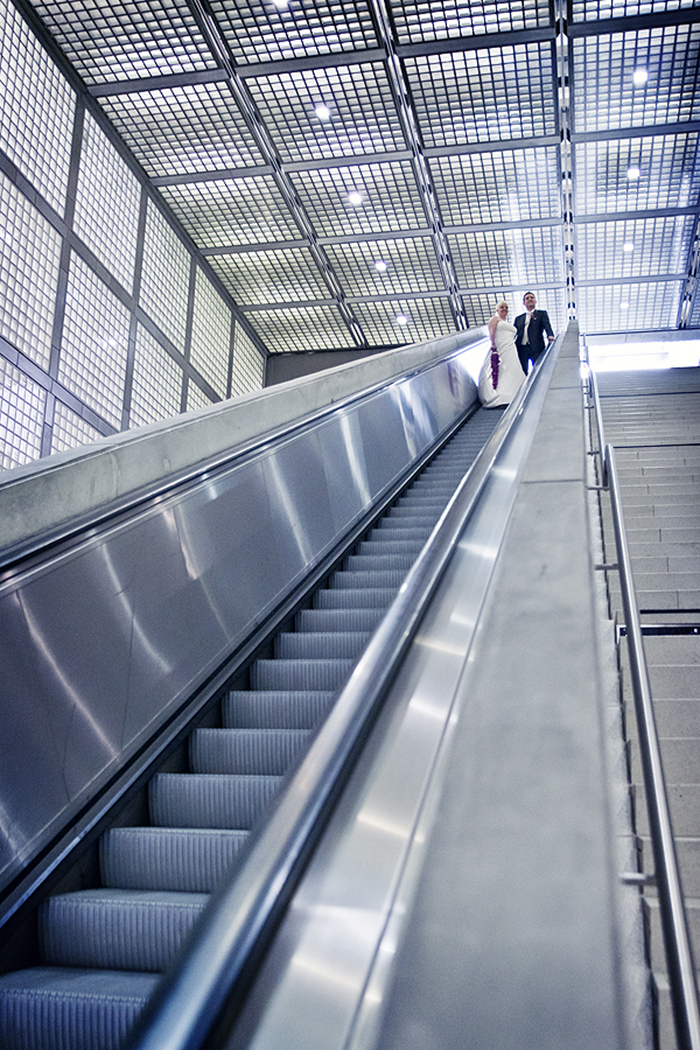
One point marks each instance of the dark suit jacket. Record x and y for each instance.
(536, 345)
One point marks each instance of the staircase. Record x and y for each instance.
(653, 421)
(102, 948)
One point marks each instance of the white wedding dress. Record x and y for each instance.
(508, 376)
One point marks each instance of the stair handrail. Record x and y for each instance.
(674, 922)
(598, 414)
(227, 942)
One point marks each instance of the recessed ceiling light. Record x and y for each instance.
(401, 319)
(639, 77)
(633, 172)
(380, 265)
(628, 247)
(280, 4)
(322, 111)
(355, 198)
(624, 306)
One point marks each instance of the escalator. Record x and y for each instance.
(439, 859)
(102, 948)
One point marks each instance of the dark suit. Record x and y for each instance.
(535, 346)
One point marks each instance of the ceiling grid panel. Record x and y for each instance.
(637, 173)
(257, 120)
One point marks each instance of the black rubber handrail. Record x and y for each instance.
(674, 922)
(212, 969)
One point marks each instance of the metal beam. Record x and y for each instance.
(686, 127)
(633, 23)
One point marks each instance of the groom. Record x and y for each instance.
(529, 331)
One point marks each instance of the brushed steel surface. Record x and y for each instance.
(327, 975)
(99, 643)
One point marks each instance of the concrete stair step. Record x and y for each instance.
(664, 649)
(659, 601)
(681, 761)
(684, 804)
(658, 956)
(688, 852)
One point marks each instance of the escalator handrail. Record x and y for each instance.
(99, 516)
(211, 971)
(679, 959)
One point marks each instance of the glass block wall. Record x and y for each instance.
(109, 320)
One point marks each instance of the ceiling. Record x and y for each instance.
(491, 144)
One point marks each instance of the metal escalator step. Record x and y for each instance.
(387, 544)
(187, 860)
(206, 800)
(379, 561)
(399, 528)
(52, 1008)
(344, 580)
(274, 710)
(362, 598)
(425, 506)
(338, 619)
(321, 645)
(406, 518)
(300, 674)
(117, 929)
(263, 751)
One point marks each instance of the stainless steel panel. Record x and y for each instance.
(324, 981)
(100, 643)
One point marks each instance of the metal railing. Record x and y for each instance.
(674, 923)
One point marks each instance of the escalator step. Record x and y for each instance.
(362, 598)
(267, 752)
(422, 510)
(117, 929)
(189, 800)
(388, 545)
(321, 645)
(338, 619)
(186, 860)
(70, 1009)
(300, 674)
(409, 527)
(344, 580)
(274, 710)
(378, 560)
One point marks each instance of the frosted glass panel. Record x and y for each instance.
(95, 341)
(70, 431)
(157, 385)
(248, 364)
(22, 404)
(165, 277)
(36, 109)
(107, 204)
(30, 252)
(211, 334)
(196, 398)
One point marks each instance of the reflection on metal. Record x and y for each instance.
(371, 866)
(102, 640)
(357, 865)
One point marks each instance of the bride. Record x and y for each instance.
(501, 374)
